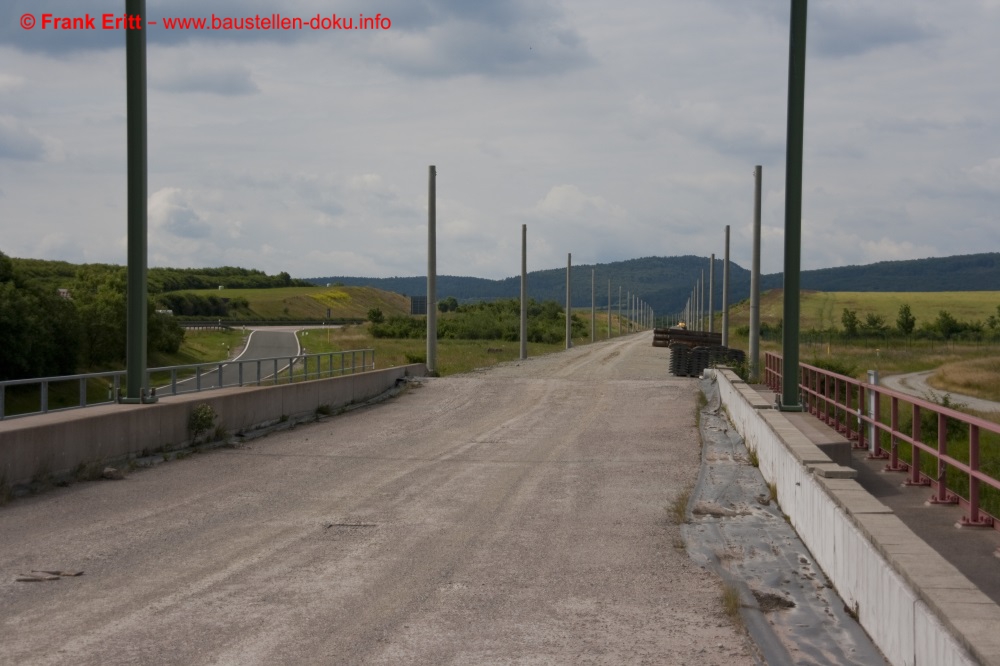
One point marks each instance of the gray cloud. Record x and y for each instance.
(18, 142)
(844, 29)
(231, 80)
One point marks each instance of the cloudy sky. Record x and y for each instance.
(613, 130)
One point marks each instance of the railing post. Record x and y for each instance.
(258, 373)
(3, 408)
(83, 392)
(915, 479)
(942, 496)
(173, 381)
(873, 409)
(373, 359)
(894, 465)
(364, 360)
(342, 368)
(274, 377)
(197, 378)
(44, 399)
(221, 383)
(353, 364)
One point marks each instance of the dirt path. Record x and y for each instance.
(915, 384)
(516, 515)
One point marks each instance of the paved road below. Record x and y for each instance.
(281, 344)
(915, 384)
(516, 515)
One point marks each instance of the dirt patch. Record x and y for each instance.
(769, 602)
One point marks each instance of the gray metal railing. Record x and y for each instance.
(180, 379)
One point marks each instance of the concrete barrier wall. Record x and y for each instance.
(914, 604)
(57, 443)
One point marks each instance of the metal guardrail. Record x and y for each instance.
(854, 408)
(194, 378)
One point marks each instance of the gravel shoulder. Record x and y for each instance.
(513, 515)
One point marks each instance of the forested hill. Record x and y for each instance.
(666, 282)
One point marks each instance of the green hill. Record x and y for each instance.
(666, 282)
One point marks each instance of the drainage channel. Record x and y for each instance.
(737, 529)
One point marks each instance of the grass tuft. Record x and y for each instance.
(731, 601)
(678, 508)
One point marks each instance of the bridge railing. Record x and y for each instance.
(102, 388)
(959, 458)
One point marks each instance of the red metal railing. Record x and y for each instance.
(842, 403)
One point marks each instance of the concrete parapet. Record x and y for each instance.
(58, 442)
(916, 606)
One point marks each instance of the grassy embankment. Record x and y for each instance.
(298, 303)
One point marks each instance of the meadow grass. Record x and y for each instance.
(453, 356)
(311, 302)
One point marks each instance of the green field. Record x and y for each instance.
(297, 303)
(821, 310)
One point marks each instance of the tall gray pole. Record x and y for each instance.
(619, 310)
(793, 206)
(758, 173)
(524, 291)
(609, 309)
(593, 306)
(711, 294)
(569, 299)
(725, 294)
(432, 269)
(136, 382)
(701, 303)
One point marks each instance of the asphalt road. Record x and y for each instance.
(516, 515)
(915, 384)
(261, 343)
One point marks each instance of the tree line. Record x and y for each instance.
(43, 334)
(487, 320)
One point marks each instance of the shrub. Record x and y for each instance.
(202, 419)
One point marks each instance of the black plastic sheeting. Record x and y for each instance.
(736, 529)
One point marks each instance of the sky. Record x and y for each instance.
(613, 130)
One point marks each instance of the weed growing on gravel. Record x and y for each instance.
(731, 601)
(752, 457)
(678, 508)
(323, 410)
(772, 489)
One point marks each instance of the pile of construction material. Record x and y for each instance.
(693, 351)
(665, 337)
(686, 361)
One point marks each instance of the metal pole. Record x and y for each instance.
(137, 383)
(711, 294)
(619, 310)
(793, 205)
(569, 296)
(593, 307)
(755, 280)
(701, 303)
(609, 309)
(432, 270)
(524, 291)
(725, 293)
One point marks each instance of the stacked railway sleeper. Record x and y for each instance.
(693, 351)
(665, 337)
(688, 361)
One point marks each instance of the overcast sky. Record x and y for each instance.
(614, 130)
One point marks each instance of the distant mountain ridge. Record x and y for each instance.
(666, 282)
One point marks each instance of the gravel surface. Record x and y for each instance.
(516, 515)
